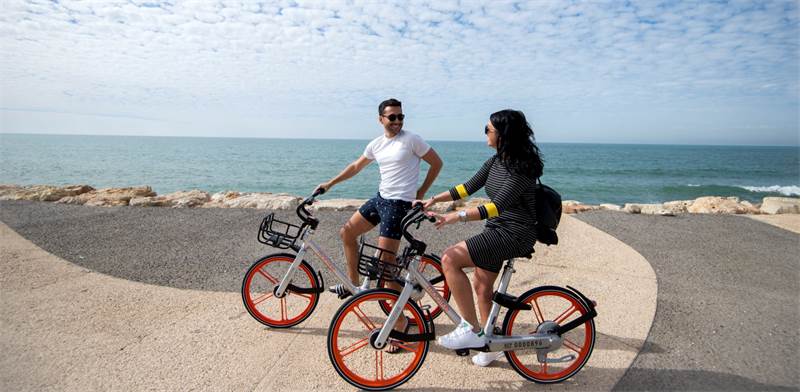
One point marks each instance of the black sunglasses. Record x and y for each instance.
(393, 117)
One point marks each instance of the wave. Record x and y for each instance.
(791, 190)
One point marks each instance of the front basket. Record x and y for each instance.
(277, 233)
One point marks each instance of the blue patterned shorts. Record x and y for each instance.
(388, 212)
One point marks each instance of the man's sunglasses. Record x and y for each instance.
(393, 117)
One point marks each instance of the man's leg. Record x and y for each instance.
(392, 245)
(354, 228)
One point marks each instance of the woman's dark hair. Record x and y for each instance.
(516, 146)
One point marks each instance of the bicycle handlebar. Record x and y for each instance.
(415, 216)
(303, 213)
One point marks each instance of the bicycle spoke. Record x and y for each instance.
(364, 319)
(269, 277)
(309, 297)
(544, 366)
(354, 347)
(538, 312)
(572, 346)
(283, 309)
(378, 365)
(262, 298)
(572, 309)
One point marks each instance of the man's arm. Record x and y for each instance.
(352, 169)
(432, 158)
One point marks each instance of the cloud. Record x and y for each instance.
(274, 63)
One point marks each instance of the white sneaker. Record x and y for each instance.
(462, 337)
(484, 359)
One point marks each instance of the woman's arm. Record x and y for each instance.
(508, 194)
(463, 190)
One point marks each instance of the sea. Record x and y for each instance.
(589, 173)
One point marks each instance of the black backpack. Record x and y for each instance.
(548, 213)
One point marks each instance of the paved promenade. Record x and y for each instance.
(147, 298)
(728, 300)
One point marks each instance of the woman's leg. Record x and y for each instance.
(483, 283)
(454, 260)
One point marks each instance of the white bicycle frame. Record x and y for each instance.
(545, 342)
(307, 243)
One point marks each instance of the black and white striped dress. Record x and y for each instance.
(509, 230)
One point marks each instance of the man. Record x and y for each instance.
(398, 153)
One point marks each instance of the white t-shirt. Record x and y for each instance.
(398, 159)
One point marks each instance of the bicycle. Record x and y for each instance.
(547, 335)
(278, 296)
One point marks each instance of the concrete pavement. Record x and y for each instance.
(67, 327)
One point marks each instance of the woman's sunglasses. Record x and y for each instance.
(393, 117)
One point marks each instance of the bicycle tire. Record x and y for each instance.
(305, 277)
(434, 262)
(580, 340)
(363, 313)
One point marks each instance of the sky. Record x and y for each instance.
(591, 72)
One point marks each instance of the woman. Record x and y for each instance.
(509, 177)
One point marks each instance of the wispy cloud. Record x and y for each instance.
(318, 67)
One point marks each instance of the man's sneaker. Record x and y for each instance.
(484, 359)
(462, 337)
(340, 290)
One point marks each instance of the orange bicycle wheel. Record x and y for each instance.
(350, 347)
(431, 268)
(258, 291)
(551, 306)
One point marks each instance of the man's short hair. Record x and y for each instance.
(387, 103)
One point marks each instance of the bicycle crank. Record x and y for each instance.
(567, 358)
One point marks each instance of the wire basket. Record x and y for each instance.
(277, 233)
(371, 265)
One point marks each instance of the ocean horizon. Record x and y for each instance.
(591, 173)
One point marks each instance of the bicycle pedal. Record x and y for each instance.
(462, 352)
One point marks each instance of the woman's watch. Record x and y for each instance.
(462, 216)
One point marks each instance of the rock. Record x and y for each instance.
(339, 204)
(750, 207)
(716, 205)
(41, 192)
(576, 208)
(610, 207)
(781, 205)
(571, 207)
(109, 197)
(678, 207)
(655, 209)
(181, 199)
(268, 201)
(649, 209)
(472, 202)
(447, 206)
(632, 208)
